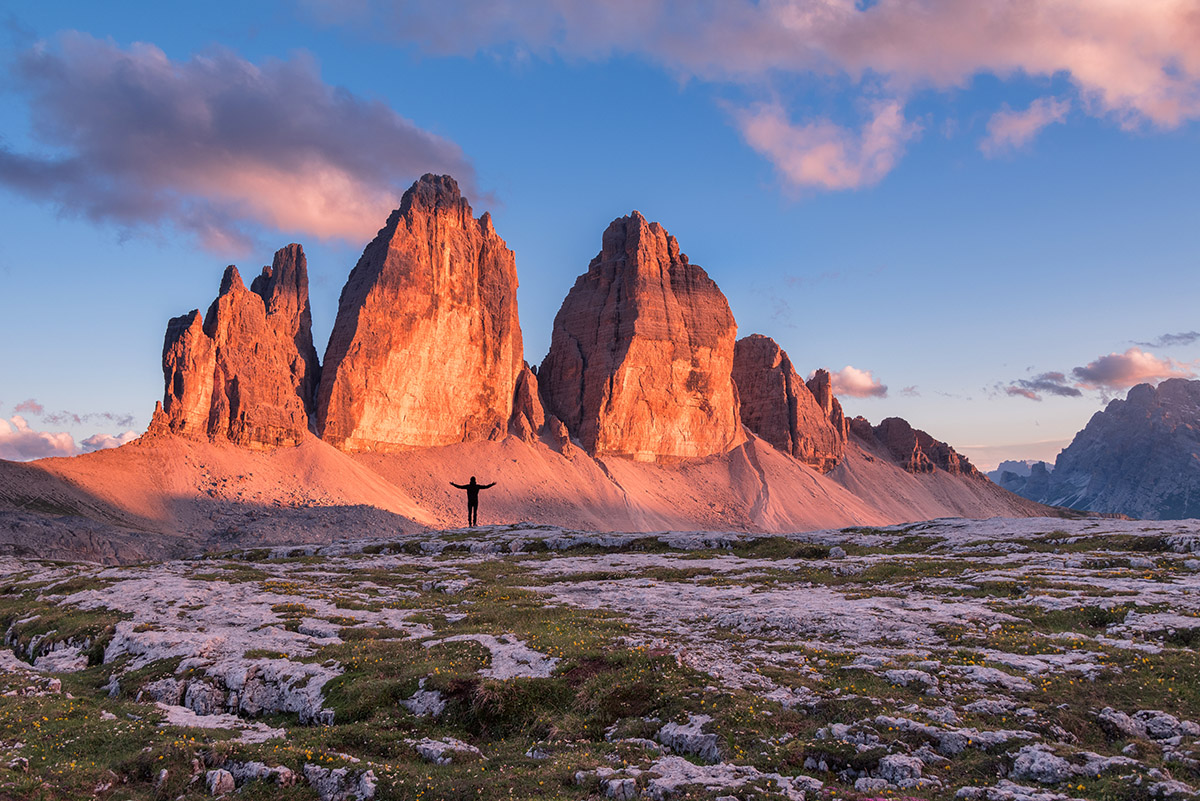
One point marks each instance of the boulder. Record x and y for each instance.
(779, 407)
(641, 355)
(246, 370)
(426, 348)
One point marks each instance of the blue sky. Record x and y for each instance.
(954, 216)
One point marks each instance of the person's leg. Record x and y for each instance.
(472, 513)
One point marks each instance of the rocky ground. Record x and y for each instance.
(1009, 659)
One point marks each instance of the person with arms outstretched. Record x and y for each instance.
(472, 488)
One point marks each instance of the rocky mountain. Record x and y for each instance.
(632, 423)
(641, 355)
(803, 420)
(1139, 456)
(246, 370)
(1028, 476)
(913, 449)
(426, 348)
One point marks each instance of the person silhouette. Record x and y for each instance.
(472, 488)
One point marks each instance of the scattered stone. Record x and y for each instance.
(341, 784)
(689, 738)
(1038, 763)
(220, 782)
(445, 751)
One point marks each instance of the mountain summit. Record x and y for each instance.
(1139, 456)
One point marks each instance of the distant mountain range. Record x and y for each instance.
(1139, 456)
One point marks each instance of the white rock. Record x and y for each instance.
(220, 782)
(445, 751)
(896, 768)
(1038, 763)
(689, 738)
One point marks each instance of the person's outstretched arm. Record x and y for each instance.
(460, 486)
(485, 486)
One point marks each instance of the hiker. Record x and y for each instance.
(472, 489)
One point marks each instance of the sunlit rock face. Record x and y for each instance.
(778, 406)
(426, 348)
(912, 448)
(247, 370)
(641, 355)
(528, 415)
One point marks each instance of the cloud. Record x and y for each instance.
(1048, 383)
(825, 155)
(1010, 130)
(71, 418)
(29, 406)
(1134, 366)
(1169, 340)
(1136, 62)
(99, 442)
(911, 392)
(214, 145)
(19, 442)
(856, 383)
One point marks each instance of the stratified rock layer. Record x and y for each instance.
(426, 347)
(1137, 457)
(912, 448)
(246, 370)
(778, 406)
(641, 354)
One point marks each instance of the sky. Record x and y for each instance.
(981, 217)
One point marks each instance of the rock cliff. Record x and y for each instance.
(803, 420)
(912, 448)
(246, 371)
(1138, 457)
(426, 348)
(641, 355)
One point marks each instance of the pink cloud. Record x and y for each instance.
(29, 406)
(1010, 130)
(824, 155)
(20, 443)
(215, 145)
(856, 383)
(1134, 366)
(1136, 62)
(99, 442)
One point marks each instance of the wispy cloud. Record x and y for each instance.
(856, 383)
(1136, 63)
(1044, 383)
(825, 155)
(1010, 130)
(214, 145)
(1106, 374)
(72, 418)
(29, 406)
(1171, 340)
